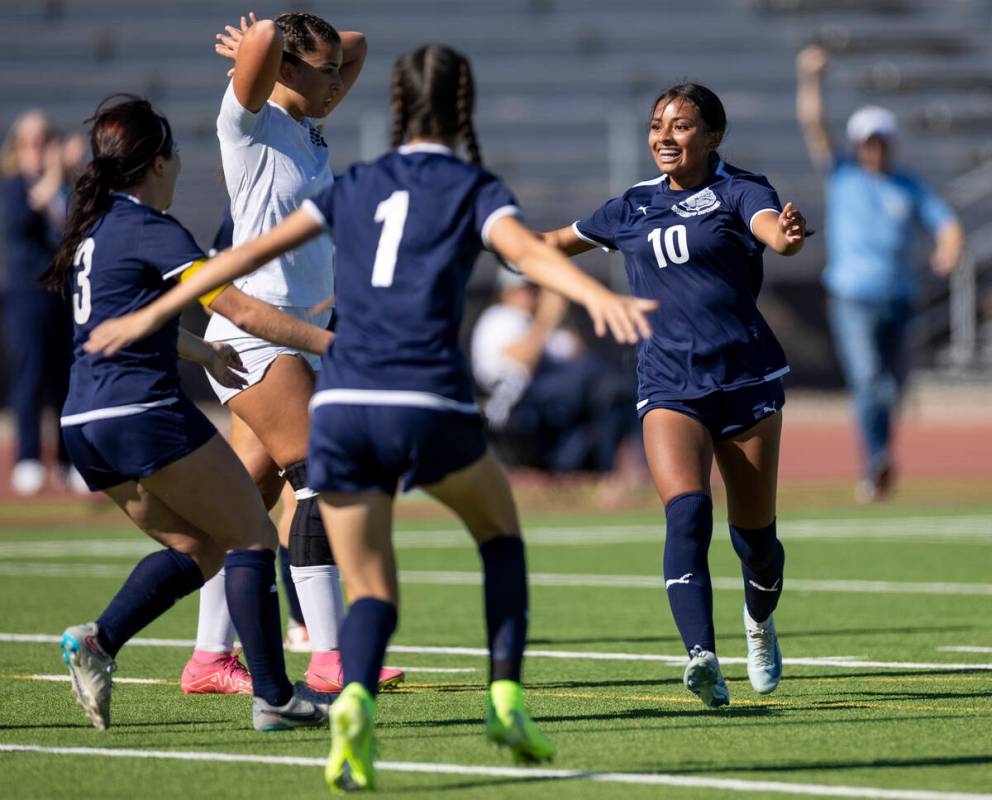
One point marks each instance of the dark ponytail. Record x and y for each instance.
(433, 96)
(125, 139)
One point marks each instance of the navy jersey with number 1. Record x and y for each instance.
(394, 400)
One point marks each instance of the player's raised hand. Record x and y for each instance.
(110, 336)
(792, 224)
(225, 366)
(229, 41)
(623, 316)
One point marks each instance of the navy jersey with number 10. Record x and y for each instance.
(409, 229)
(696, 253)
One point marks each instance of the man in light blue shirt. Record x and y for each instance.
(873, 212)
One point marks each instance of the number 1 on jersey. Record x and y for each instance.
(392, 212)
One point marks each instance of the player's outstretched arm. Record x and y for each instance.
(785, 233)
(256, 50)
(267, 322)
(110, 336)
(622, 316)
(567, 241)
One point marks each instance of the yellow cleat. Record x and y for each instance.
(353, 744)
(508, 724)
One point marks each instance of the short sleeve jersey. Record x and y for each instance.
(131, 256)
(272, 163)
(409, 229)
(871, 224)
(694, 252)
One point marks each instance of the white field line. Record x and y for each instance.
(437, 577)
(67, 678)
(576, 655)
(974, 527)
(965, 649)
(553, 579)
(535, 773)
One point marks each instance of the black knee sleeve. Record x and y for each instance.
(308, 542)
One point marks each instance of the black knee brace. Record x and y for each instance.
(308, 542)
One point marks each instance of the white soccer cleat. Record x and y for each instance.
(702, 677)
(90, 668)
(764, 658)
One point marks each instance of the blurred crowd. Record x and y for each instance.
(553, 404)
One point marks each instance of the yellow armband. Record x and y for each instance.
(209, 297)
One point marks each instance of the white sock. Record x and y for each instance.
(214, 628)
(319, 590)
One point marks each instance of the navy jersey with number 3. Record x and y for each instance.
(128, 259)
(410, 227)
(694, 252)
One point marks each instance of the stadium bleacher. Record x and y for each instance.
(564, 91)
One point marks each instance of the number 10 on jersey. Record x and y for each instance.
(392, 213)
(676, 247)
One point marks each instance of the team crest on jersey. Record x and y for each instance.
(700, 203)
(316, 138)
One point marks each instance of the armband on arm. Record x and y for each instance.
(209, 297)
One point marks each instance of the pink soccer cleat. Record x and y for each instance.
(215, 673)
(325, 673)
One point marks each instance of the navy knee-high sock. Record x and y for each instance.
(762, 564)
(504, 570)
(364, 635)
(150, 590)
(292, 598)
(253, 600)
(689, 529)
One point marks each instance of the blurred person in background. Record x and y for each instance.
(873, 212)
(36, 322)
(558, 406)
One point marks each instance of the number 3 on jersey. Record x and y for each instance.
(676, 246)
(392, 212)
(81, 300)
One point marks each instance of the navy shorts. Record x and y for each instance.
(361, 448)
(727, 414)
(108, 452)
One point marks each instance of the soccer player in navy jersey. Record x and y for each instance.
(394, 405)
(709, 378)
(133, 434)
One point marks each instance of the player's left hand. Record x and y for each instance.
(225, 365)
(792, 224)
(229, 41)
(110, 336)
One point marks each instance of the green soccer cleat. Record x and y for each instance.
(509, 724)
(353, 744)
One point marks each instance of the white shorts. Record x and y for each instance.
(257, 354)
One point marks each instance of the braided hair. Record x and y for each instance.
(302, 33)
(127, 136)
(433, 96)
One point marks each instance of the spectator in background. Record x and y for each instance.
(873, 210)
(557, 406)
(38, 326)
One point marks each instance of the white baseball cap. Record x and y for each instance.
(871, 121)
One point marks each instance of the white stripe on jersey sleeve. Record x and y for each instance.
(499, 213)
(589, 239)
(754, 216)
(179, 270)
(311, 208)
